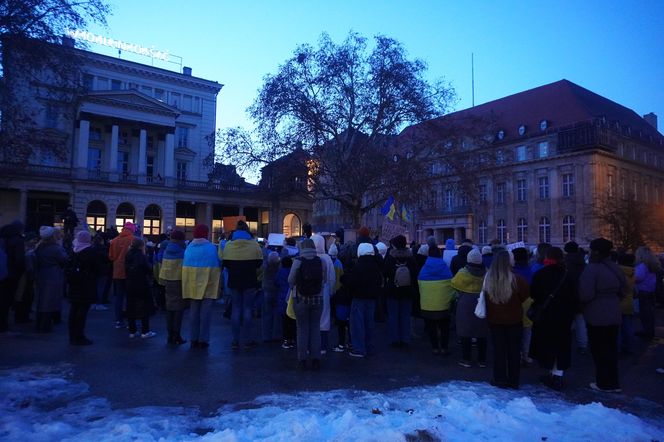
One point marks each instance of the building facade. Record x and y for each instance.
(137, 150)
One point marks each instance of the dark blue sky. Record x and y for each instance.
(614, 48)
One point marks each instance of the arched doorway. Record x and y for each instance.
(292, 225)
(123, 214)
(95, 215)
(152, 222)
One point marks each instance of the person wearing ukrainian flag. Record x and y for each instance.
(436, 295)
(243, 258)
(201, 269)
(170, 272)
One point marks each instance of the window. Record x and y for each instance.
(94, 159)
(482, 231)
(197, 105)
(449, 199)
(464, 200)
(152, 221)
(186, 102)
(116, 85)
(543, 187)
(102, 84)
(181, 171)
(500, 157)
(610, 185)
(123, 162)
(522, 230)
(568, 185)
(500, 193)
(623, 188)
(521, 153)
(95, 134)
(150, 167)
(125, 213)
(544, 230)
(183, 136)
(185, 218)
(544, 149)
(501, 231)
(521, 190)
(159, 94)
(147, 90)
(656, 192)
(635, 193)
(88, 81)
(482, 192)
(175, 99)
(569, 228)
(95, 216)
(132, 86)
(645, 193)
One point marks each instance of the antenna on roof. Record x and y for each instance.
(472, 73)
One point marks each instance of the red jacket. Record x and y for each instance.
(117, 252)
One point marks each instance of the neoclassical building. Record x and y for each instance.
(136, 150)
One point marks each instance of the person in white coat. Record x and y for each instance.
(328, 287)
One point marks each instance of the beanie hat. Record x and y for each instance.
(520, 254)
(486, 250)
(571, 247)
(131, 226)
(307, 243)
(450, 244)
(333, 251)
(201, 231)
(601, 245)
(46, 232)
(273, 258)
(474, 257)
(365, 249)
(382, 248)
(177, 235)
(423, 250)
(363, 231)
(399, 242)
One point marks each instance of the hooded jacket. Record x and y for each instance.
(201, 270)
(118, 251)
(242, 256)
(171, 261)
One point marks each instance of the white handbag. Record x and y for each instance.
(480, 308)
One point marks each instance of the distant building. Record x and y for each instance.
(136, 150)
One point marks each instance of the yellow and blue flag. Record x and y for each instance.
(389, 209)
(406, 214)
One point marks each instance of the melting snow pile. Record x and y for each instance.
(42, 404)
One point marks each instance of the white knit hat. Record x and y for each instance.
(333, 251)
(382, 248)
(365, 249)
(474, 257)
(423, 250)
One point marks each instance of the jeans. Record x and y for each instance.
(506, 354)
(525, 343)
(200, 311)
(101, 288)
(241, 315)
(361, 324)
(270, 317)
(308, 329)
(647, 312)
(120, 291)
(604, 348)
(626, 333)
(580, 331)
(145, 325)
(398, 319)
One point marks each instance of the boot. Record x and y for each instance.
(552, 381)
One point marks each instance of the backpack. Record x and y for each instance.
(402, 276)
(309, 280)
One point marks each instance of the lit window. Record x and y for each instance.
(544, 149)
(569, 228)
(544, 230)
(522, 230)
(568, 185)
(543, 187)
(521, 153)
(501, 231)
(521, 190)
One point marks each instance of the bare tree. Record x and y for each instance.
(31, 57)
(342, 104)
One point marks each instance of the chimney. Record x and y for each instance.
(186, 70)
(651, 118)
(67, 41)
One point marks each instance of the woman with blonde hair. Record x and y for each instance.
(645, 277)
(504, 293)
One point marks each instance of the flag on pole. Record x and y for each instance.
(406, 214)
(389, 208)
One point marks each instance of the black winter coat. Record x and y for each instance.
(139, 296)
(82, 286)
(552, 335)
(400, 257)
(365, 281)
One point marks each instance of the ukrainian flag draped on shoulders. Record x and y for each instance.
(171, 262)
(436, 292)
(200, 270)
(243, 257)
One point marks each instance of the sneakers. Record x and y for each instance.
(465, 364)
(594, 386)
(355, 355)
(148, 335)
(339, 348)
(134, 335)
(287, 345)
(552, 381)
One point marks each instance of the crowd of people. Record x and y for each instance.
(531, 309)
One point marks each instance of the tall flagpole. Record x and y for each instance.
(472, 73)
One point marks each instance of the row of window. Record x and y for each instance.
(633, 192)
(183, 102)
(544, 230)
(95, 164)
(522, 189)
(649, 158)
(540, 151)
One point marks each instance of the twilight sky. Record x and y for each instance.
(614, 48)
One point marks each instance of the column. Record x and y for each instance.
(112, 157)
(169, 158)
(241, 211)
(23, 206)
(142, 155)
(208, 218)
(83, 144)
